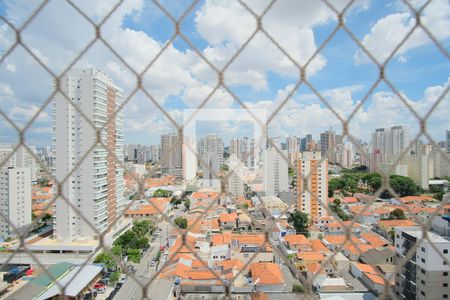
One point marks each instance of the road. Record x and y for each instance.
(131, 289)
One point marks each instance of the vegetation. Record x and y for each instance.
(224, 168)
(181, 222)
(336, 208)
(43, 182)
(300, 221)
(297, 288)
(159, 193)
(437, 191)
(105, 259)
(358, 181)
(114, 277)
(397, 214)
(187, 203)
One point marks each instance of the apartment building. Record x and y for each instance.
(21, 158)
(96, 185)
(327, 143)
(426, 275)
(275, 172)
(15, 200)
(171, 155)
(312, 184)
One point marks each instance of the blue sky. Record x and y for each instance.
(261, 76)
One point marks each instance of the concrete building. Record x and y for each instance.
(344, 155)
(447, 139)
(305, 141)
(171, 155)
(15, 200)
(275, 172)
(388, 144)
(96, 186)
(236, 185)
(210, 150)
(427, 274)
(21, 158)
(327, 144)
(313, 198)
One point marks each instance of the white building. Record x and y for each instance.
(427, 273)
(344, 155)
(96, 185)
(171, 155)
(15, 200)
(237, 170)
(210, 151)
(21, 158)
(275, 172)
(314, 198)
(190, 160)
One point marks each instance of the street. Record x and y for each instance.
(131, 289)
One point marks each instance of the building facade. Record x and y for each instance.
(15, 200)
(275, 172)
(313, 198)
(95, 186)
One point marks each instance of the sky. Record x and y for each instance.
(261, 76)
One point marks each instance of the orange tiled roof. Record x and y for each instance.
(340, 239)
(231, 263)
(221, 238)
(297, 239)
(266, 273)
(374, 239)
(396, 223)
(362, 248)
(348, 200)
(310, 256)
(417, 199)
(204, 195)
(258, 239)
(344, 223)
(318, 246)
(314, 268)
(376, 279)
(228, 218)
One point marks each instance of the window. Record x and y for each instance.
(422, 293)
(445, 284)
(422, 282)
(445, 251)
(423, 249)
(423, 271)
(445, 273)
(445, 296)
(423, 260)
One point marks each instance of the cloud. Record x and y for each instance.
(390, 30)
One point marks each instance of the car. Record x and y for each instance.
(153, 263)
(123, 279)
(101, 290)
(104, 281)
(99, 285)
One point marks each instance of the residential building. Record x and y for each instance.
(313, 172)
(21, 158)
(327, 144)
(15, 200)
(210, 150)
(447, 138)
(236, 185)
(426, 275)
(171, 155)
(95, 185)
(305, 141)
(275, 171)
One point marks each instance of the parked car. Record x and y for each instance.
(101, 290)
(99, 285)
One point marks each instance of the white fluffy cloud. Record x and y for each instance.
(389, 31)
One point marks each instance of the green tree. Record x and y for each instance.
(404, 186)
(397, 214)
(160, 193)
(106, 259)
(297, 288)
(187, 203)
(181, 222)
(143, 227)
(224, 168)
(134, 255)
(300, 221)
(114, 277)
(126, 239)
(117, 250)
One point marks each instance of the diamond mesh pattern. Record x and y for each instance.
(302, 80)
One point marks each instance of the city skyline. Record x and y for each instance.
(258, 86)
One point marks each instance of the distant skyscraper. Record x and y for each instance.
(388, 144)
(305, 141)
(171, 155)
(313, 199)
(96, 185)
(21, 158)
(15, 200)
(210, 149)
(327, 143)
(155, 150)
(447, 134)
(275, 172)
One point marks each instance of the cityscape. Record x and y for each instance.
(174, 186)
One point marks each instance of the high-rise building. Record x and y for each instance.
(305, 141)
(95, 185)
(447, 138)
(15, 200)
(275, 172)
(244, 149)
(426, 274)
(236, 178)
(155, 150)
(327, 143)
(313, 198)
(344, 155)
(210, 150)
(171, 155)
(21, 158)
(388, 144)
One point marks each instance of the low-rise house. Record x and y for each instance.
(298, 242)
(244, 222)
(372, 277)
(386, 227)
(338, 228)
(281, 229)
(251, 246)
(228, 221)
(267, 277)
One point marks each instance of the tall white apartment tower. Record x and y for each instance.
(15, 200)
(313, 198)
(275, 172)
(96, 185)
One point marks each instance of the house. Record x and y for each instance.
(378, 256)
(370, 276)
(298, 242)
(281, 229)
(244, 222)
(228, 221)
(267, 277)
(338, 228)
(385, 227)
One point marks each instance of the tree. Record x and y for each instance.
(144, 227)
(159, 193)
(134, 255)
(397, 214)
(300, 221)
(297, 288)
(224, 168)
(187, 204)
(43, 182)
(404, 186)
(181, 222)
(114, 277)
(106, 259)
